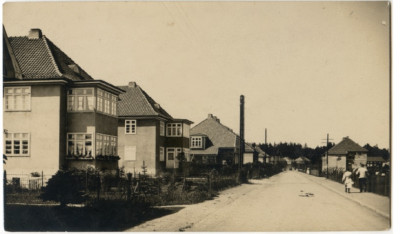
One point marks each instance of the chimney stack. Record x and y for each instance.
(35, 33)
(132, 84)
(210, 116)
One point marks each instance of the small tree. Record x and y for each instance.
(65, 187)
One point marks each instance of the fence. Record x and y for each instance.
(32, 181)
(378, 183)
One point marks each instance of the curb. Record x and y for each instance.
(354, 200)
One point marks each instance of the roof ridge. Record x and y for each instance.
(53, 61)
(66, 55)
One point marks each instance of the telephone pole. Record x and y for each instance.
(327, 145)
(241, 148)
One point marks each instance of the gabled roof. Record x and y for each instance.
(218, 134)
(260, 151)
(39, 58)
(248, 148)
(301, 160)
(345, 146)
(136, 102)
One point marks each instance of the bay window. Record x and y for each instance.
(17, 98)
(80, 145)
(16, 144)
(106, 102)
(81, 99)
(106, 145)
(174, 129)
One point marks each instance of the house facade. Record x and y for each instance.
(250, 154)
(346, 155)
(148, 135)
(213, 143)
(55, 114)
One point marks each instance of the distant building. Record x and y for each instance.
(262, 156)
(346, 155)
(302, 162)
(250, 154)
(214, 143)
(53, 114)
(148, 134)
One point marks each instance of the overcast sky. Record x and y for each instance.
(306, 68)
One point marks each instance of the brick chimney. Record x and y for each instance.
(35, 33)
(210, 116)
(132, 84)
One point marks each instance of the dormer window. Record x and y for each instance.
(196, 142)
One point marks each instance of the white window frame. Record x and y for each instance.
(106, 102)
(12, 137)
(10, 98)
(75, 142)
(162, 128)
(106, 145)
(81, 102)
(174, 129)
(196, 142)
(130, 126)
(162, 154)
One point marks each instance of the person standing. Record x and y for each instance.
(362, 173)
(348, 182)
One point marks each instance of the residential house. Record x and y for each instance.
(250, 154)
(55, 114)
(346, 155)
(148, 135)
(302, 162)
(214, 143)
(262, 156)
(288, 162)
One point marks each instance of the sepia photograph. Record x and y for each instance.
(198, 116)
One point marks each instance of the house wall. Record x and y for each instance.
(333, 161)
(145, 142)
(43, 123)
(248, 158)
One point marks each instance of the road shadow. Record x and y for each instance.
(59, 219)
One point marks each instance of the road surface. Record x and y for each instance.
(288, 201)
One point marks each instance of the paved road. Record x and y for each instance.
(285, 202)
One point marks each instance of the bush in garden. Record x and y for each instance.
(66, 186)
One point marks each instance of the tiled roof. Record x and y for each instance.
(136, 102)
(302, 160)
(345, 146)
(40, 59)
(219, 135)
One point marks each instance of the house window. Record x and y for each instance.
(172, 153)
(81, 99)
(80, 144)
(106, 102)
(162, 128)
(17, 144)
(100, 94)
(174, 129)
(162, 155)
(106, 145)
(17, 98)
(130, 126)
(196, 142)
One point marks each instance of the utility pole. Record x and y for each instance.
(241, 148)
(327, 145)
(265, 137)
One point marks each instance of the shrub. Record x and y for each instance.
(65, 187)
